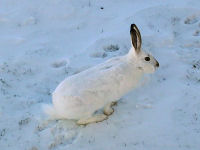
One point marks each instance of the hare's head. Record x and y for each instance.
(143, 60)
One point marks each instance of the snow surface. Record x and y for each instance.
(42, 42)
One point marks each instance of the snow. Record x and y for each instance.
(42, 42)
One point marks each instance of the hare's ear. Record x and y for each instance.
(135, 38)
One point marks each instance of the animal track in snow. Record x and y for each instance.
(191, 19)
(24, 121)
(99, 55)
(175, 20)
(196, 33)
(63, 132)
(194, 72)
(2, 132)
(103, 54)
(62, 139)
(108, 47)
(111, 48)
(59, 64)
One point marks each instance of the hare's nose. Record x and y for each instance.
(157, 64)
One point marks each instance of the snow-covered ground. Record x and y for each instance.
(42, 42)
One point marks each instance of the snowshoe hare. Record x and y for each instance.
(79, 96)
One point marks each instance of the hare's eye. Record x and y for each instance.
(147, 58)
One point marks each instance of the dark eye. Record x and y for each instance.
(147, 58)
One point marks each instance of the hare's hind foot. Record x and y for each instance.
(108, 110)
(93, 119)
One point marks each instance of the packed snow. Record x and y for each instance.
(43, 42)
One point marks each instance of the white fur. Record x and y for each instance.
(80, 95)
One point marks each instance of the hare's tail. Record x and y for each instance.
(51, 111)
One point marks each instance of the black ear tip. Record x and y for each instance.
(133, 26)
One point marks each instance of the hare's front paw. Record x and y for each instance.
(93, 119)
(108, 110)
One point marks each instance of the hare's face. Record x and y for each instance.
(144, 61)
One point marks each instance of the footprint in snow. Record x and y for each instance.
(63, 132)
(111, 48)
(59, 64)
(196, 33)
(191, 19)
(98, 55)
(108, 48)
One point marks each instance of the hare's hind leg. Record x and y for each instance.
(108, 110)
(92, 119)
